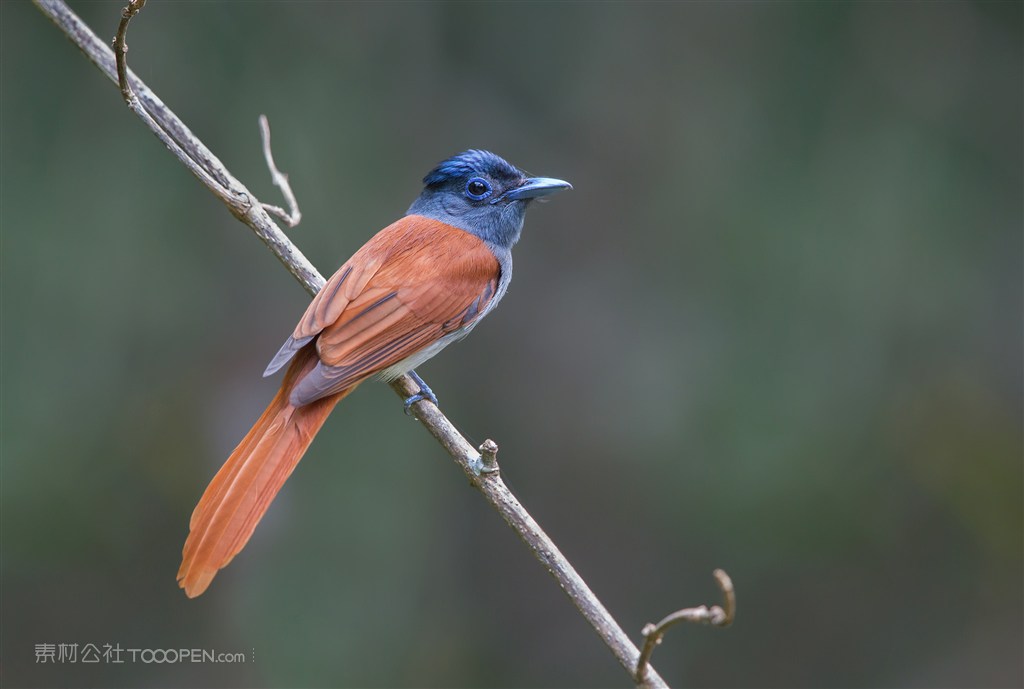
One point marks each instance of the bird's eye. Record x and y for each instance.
(478, 189)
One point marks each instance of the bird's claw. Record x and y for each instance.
(425, 393)
(419, 397)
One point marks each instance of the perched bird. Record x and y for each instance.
(417, 286)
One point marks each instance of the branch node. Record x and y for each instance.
(488, 457)
(292, 216)
(715, 616)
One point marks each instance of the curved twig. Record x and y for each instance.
(715, 616)
(236, 199)
(293, 215)
(121, 47)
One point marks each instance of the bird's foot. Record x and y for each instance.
(425, 393)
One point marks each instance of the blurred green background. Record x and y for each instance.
(776, 328)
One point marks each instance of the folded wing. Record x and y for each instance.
(415, 282)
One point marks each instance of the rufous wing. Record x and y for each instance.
(429, 279)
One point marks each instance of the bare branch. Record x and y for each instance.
(292, 216)
(494, 490)
(198, 158)
(715, 616)
(208, 169)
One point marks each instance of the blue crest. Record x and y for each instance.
(472, 162)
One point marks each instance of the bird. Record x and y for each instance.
(415, 287)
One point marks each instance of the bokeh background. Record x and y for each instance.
(776, 328)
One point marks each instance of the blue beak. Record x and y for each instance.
(535, 187)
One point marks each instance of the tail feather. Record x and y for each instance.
(240, 493)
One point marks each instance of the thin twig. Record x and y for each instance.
(715, 616)
(121, 47)
(255, 216)
(293, 215)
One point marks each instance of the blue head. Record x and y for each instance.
(482, 194)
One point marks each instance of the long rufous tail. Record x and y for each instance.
(240, 493)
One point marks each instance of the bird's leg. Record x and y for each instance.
(425, 392)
